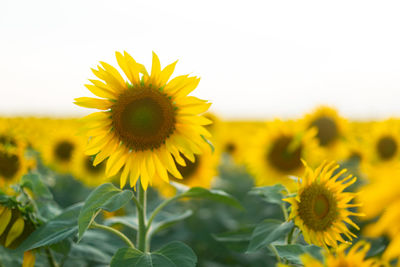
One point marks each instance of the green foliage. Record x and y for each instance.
(127, 221)
(237, 240)
(36, 185)
(270, 194)
(174, 254)
(293, 252)
(106, 197)
(166, 219)
(268, 232)
(54, 231)
(211, 194)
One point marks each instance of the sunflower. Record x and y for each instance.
(13, 164)
(320, 208)
(60, 146)
(332, 129)
(14, 227)
(144, 121)
(232, 138)
(382, 148)
(276, 152)
(355, 256)
(198, 173)
(388, 225)
(84, 170)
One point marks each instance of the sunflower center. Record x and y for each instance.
(143, 118)
(7, 140)
(63, 151)
(327, 130)
(386, 147)
(230, 148)
(190, 169)
(93, 169)
(9, 165)
(282, 157)
(317, 207)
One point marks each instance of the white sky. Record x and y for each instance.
(256, 58)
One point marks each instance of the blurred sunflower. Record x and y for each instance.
(382, 148)
(13, 164)
(14, 227)
(144, 121)
(232, 139)
(320, 208)
(356, 256)
(198, 173)
(331, 131)
(84, 170)
(388, 225)
(276, 152)
(60, 147)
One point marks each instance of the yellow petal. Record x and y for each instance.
(155, 70)
(111, 81)
(125, 173)
(167, 160)
(15, 231)
(116, 161)
(4, 220)
(161, 170)
(194, 109)
(107, 151)
(187, 88)
(89, 102)
(114, 73)
(29, 259)
(135, 166)
(129, 66)
(100, 92)
(166, 73)
(144, 176)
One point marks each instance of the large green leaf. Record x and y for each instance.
(267, 232)
(270, 194)
(36, 185)
(55, 230)
(236, 240)
(127, 221)
(174, 254)
(166, 219)
(293, 252)
(106, 197)
(211, 194)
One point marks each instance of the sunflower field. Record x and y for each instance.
(151, 178)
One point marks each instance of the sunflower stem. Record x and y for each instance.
(284, 210)
(275, 252)
(114, 232)
(50, 258)
(141, 213)
(290, 236)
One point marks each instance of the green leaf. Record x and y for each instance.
(236, 240)
(211, 194)
(174, 254)
(36, 185)
(55, 230)
(106, 197)
(293, 252)
(127, 221)
(270, 194)
(268, 232)
(165, 220)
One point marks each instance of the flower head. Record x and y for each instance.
(144, 120)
